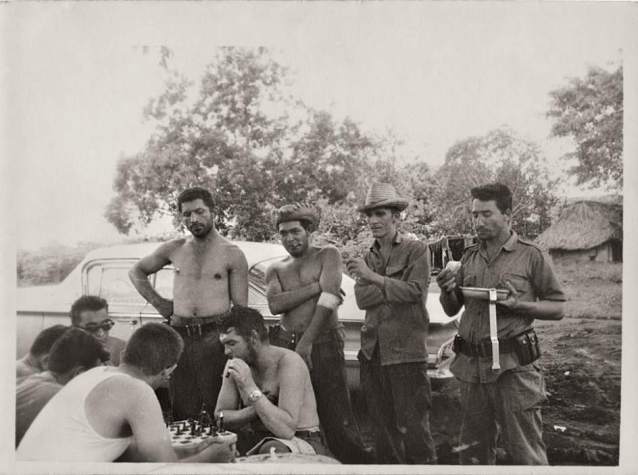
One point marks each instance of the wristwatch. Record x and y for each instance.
(254, 396)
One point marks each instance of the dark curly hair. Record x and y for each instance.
(498, 192)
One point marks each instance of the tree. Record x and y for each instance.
(499, 156)
(213, 140)
(590, 110)
(244, 139)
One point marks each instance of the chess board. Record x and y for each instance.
(188, 436)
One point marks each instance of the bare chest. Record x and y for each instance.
(268, 383)
(299, 273)
(200, 263)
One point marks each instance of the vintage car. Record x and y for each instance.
(104, 272)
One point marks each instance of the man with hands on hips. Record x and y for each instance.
(509, 397)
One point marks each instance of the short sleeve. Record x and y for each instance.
(546, 285)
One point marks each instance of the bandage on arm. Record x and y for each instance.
(329, 300)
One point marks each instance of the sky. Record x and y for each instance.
(75, 81)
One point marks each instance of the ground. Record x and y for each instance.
(581, 361)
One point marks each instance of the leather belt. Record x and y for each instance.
(195, 326)
(177, 321)
(483, 348)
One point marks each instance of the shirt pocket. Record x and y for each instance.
(519, 281)
(469, 279)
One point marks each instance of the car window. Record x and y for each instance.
(113, 284)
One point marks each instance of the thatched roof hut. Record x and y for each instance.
(586, 229)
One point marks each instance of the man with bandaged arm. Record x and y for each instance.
(305, 288)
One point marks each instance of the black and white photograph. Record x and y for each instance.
(319, 237)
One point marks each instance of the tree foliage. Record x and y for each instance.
(590, 110)
(256, 148)
(244, 139)
(499, 156)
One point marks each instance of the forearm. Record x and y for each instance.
(282, 302)
(401, 291)
(317, 323)
(450, 302)
(412, 287)
(540, 309)
(368, 296)
(238, 417)
(276, 420)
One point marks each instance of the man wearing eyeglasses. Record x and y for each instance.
(91, 313)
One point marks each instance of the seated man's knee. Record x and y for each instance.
(273, 445)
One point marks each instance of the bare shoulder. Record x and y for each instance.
(273, 268)
(229, 248)
(279, 265)
(123, 389)
(290, 360)
(168, 248)
(329, 253)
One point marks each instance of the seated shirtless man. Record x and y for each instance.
(109, 410)
(267, 388)
(210, 273)
(304, 288)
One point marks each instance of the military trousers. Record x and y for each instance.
(509, 406)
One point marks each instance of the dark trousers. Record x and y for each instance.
(197, 380)
(328, 376)
(512, 403)
(399, 400)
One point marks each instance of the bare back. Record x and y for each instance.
(293, 273)
(210, 274)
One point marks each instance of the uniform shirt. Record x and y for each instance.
(396, 319)
(31, 396)
(529, 271)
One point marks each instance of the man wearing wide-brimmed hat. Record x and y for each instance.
(392, 282)
(305, 288)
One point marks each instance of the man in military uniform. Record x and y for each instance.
(509, 397)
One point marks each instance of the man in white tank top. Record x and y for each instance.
(73, 353)
(110, 411)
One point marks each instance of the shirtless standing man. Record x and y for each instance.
(305, 288)
(211, 273)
